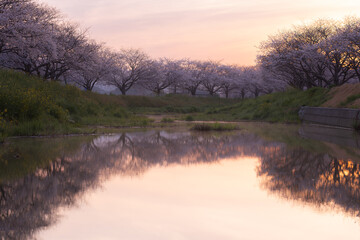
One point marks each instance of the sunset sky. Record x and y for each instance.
(227, 30)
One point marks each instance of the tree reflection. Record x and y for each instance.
(319, 179)
(30, 203)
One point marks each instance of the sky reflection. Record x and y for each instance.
(178, 185)
(226, 30)
(220, 201)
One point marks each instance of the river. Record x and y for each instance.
(264, 182)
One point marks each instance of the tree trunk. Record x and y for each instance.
(123, 91)
(242, 94)
(193, 92)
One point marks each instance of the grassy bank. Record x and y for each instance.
(280, 107)
(277, 107)
(173, 104)
(30, 106)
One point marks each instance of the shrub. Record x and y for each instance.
(214, 127)
(58, 112)
(189, 118)
(170, 109)
(120, 113)
(167, 120)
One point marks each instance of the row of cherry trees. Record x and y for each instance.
(324, 53)
(36, 39)
(214, 78)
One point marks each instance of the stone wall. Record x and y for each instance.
(340, 117)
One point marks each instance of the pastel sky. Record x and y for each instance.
(227, 30)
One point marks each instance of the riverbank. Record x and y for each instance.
(30, 106)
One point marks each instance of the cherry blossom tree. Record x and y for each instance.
(230, 80)
(26, 34)
(95, 70)
(130, 67)
(193, 75)
(251, 76)
(336, 58)
(35, 39)
(349, 38)
(162, 74)
(73, 50)
(293, 56)
(212, 77)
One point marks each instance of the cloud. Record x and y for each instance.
(197, 28)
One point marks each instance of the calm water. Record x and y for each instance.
(273, 183)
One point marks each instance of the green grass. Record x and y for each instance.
(189, 118)
(173, 104)
(276, 107)
(214, 127)
(30, 106)
(349, 100)
(167, 120)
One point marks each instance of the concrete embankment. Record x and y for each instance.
(337, 117)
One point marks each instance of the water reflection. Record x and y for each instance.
(31, 201)
(320, 179)
(339, 136)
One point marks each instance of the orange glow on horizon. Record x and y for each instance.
(228, 30)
